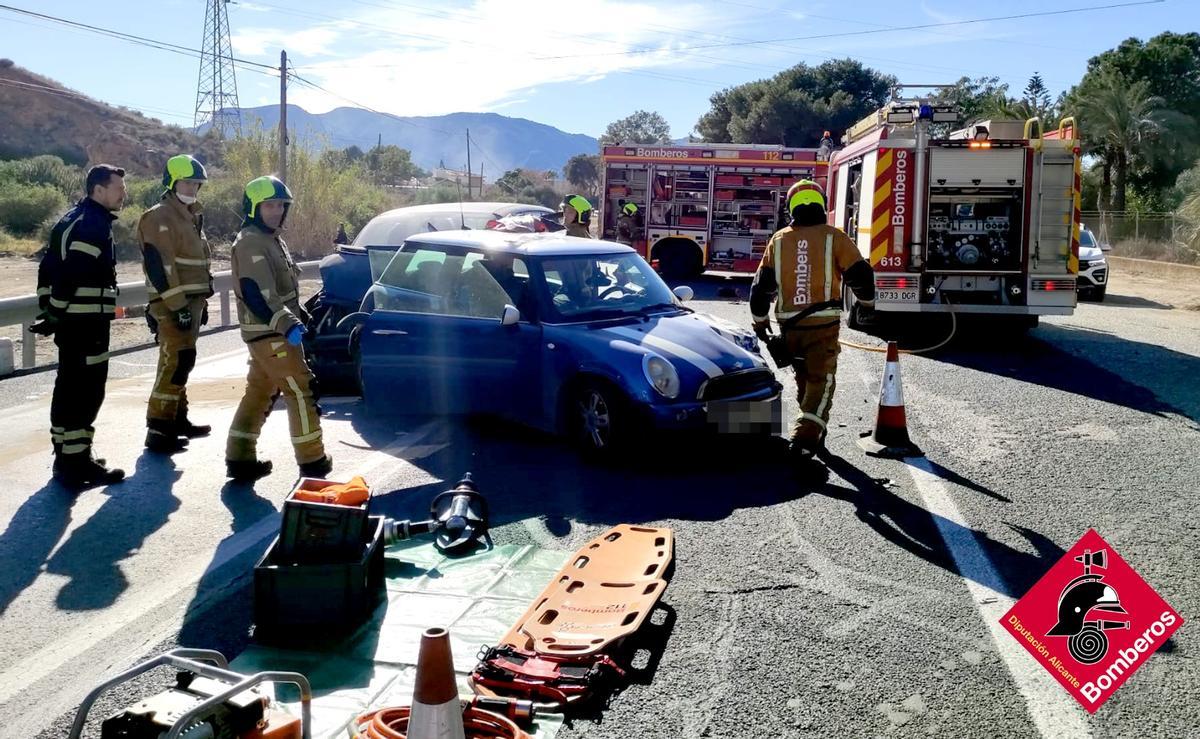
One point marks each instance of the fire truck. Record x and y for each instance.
(979, 220)
(704, 206)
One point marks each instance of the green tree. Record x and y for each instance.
(1169, 65)
(796, 106)
(390, 164)
(583, 172)
(1124, 125)
(513, 181)
(1037, 95)
(642, 127)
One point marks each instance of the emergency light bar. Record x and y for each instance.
(945, 114)
(900, 115)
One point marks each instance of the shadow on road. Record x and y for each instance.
(215, 586)
(1148, 378)
(91, 557)
(922, 534)
(528, 475)
(1132, 301)
(31, 535)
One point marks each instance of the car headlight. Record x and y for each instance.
(1095, 262)
(661, 375)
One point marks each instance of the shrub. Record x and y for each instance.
(23, 208)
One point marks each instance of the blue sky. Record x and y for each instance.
(576, 65)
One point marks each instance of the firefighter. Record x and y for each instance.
(627, 228)
(265, 280)
(77, 294)
(576, 215)
(801, 276)
(175, 258)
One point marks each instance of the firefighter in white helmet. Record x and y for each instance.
(800, 277)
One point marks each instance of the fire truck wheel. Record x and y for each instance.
(680, 260)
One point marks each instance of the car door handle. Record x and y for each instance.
(389, 332)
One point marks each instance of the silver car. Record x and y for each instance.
(1093, 267)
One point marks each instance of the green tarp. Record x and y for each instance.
(478, 598)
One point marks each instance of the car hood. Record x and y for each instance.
(1088, 253)
(699, 346)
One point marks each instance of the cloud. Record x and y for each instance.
(489, 54)
(310, 42)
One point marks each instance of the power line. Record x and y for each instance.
(917, 27)
(131, 38)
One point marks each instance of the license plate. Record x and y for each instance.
(746, 416)
(897, 296)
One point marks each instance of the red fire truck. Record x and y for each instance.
(982, 220)
(703, 206)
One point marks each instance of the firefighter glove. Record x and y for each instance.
(204, 315)
(183, 319)
(45, 326)
(152, 324)
(762, 330)
(295, 335)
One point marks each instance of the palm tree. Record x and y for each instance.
(1122, 123)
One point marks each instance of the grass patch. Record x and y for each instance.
(14, 246)
(1159, 251)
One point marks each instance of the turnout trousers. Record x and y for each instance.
(276, 368)
(78, 387)
(176, 360)
(816, 353)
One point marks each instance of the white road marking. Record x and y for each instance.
(1054, 712)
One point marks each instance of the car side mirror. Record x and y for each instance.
(510, 316)
(684, 293)
(1106, 247)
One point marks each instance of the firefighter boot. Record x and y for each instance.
(85, 472)
(162, 437)
(184, 427)
(247, 470)
(319, 468)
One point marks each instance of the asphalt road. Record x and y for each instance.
(857, 602)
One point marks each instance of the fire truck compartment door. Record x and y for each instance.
(976, 167)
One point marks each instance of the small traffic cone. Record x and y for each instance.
(890, 437)
(436, 709)
(119, 313)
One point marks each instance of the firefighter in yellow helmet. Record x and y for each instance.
(175, 259)
(576, 215)
(800, 279)
(266, 282)
(627, 228)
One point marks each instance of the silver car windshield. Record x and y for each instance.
(599, 286)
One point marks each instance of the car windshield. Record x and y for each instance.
(599, 286)
(1086, 239)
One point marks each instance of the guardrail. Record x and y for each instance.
(24, 310)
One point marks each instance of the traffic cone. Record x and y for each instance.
(436, 710)
(119, 313)
(890, 437)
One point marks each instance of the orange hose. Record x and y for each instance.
(392, 722)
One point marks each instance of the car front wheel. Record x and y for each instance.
(597, 417)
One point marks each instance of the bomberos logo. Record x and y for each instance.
(1092, 621)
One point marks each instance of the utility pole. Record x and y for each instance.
(283, 130)
(379, 142)
(468, 163)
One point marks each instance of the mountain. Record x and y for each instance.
(500, 143)
(40, 116)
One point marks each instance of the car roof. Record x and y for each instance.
(524, 244)
(467, 207)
